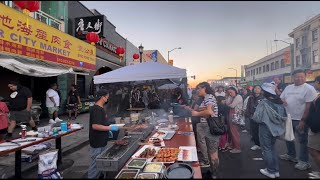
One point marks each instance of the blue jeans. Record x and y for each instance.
(267, 142)
(303, 140)
(93, 173)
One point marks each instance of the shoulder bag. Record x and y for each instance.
(216, 126)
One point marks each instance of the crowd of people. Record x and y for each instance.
(265, 110)
(16, 109)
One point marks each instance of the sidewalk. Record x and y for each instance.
(70, 144)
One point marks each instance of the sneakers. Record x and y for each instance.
(255, 147)
(244, 131)
(58, 120)
(288, 158)
(267, 173)
(277, 174)
(314, 175)
(204, 164)
(302, 166)
(51, 121)
(235, 151)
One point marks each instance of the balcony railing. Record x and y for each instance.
(49, 20)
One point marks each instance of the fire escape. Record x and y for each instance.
(305, 49)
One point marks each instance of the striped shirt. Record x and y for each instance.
(209, 99)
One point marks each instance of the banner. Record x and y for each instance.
(22, 35)
(287, 60)
(170, 62)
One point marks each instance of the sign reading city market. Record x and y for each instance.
(22, 35)
(84, 25)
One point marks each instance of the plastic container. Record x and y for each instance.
(64, 127)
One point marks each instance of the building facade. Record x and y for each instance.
(263, 70)
(226, 81)
(306, 47)
(37, 48)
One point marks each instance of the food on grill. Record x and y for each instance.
(148, 153)
(122, 142)
(153, 167)
(137, 163)
(167, 155)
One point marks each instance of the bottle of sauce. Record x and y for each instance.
(23, 131)
(69, 125)
(170, 117)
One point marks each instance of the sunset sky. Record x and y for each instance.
(213, 35)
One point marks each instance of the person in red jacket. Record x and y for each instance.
(3, 118)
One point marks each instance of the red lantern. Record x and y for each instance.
(120, 50)
(92, 37)
(309, 72)
(31, 6)
(136, 56)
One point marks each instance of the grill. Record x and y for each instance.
(144, 133)
(115, 157)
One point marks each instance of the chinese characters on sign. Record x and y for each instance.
(89, 24)
(287, 57)
(38, 40)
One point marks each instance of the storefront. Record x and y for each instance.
(37, 54)
(82, 20)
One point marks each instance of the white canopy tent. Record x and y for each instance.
(141, 72)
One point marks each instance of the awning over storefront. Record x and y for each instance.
(33, 67)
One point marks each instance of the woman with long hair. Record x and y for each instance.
(207, 142)
(270, 114)
(235, 102)
(253, 102)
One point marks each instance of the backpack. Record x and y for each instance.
(313, 118)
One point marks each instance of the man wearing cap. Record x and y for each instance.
(297, 99)
(98, 131)
(20, 102)
(53, 103)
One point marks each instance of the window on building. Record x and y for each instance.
(315, 57)
(282, 63)
(303, 59)
(267, 68)
(257, 71)
(260, 70)
(297, 61)
(264, 68)
(315, 35)
(297, 43)
(304, 41)
(254, 72)
(272, 66)
(276, 65)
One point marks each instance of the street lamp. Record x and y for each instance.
(236, 75)
(172, 50)
(291, 52)
(140, 52)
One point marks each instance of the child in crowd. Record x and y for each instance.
(3, 118)
(223, 113)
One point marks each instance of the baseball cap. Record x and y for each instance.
(269, 87)
(101, 92)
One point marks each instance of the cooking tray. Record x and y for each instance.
(179, 171)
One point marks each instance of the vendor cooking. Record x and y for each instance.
(99, 131)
